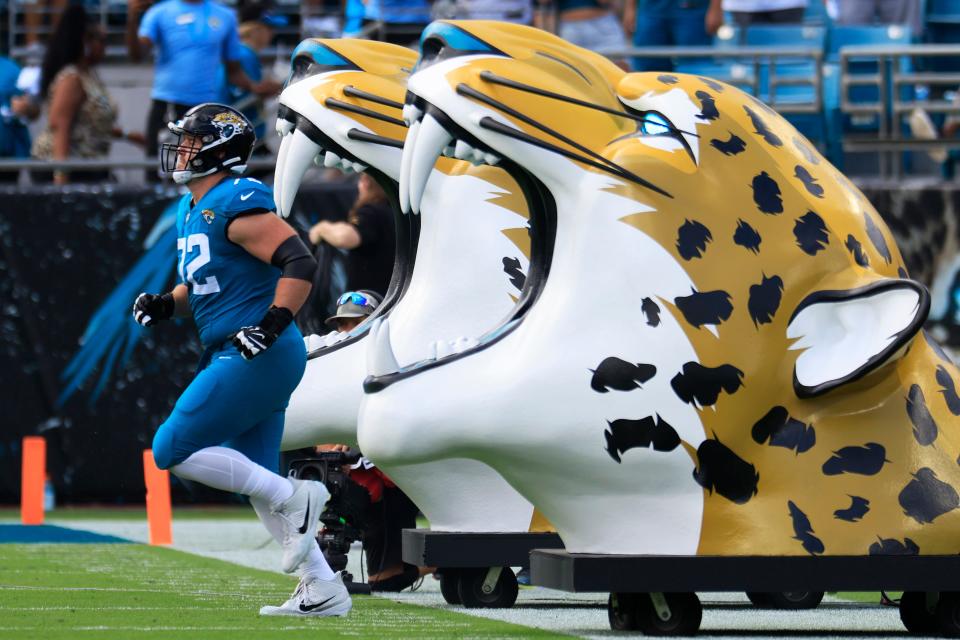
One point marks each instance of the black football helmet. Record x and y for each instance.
(225, 136)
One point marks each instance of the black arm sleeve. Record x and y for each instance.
(294, 259)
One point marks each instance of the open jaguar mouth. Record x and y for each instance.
(434, 134)
(302, 144)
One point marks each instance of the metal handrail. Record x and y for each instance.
(753, 57)
(890, 109)
(13, 164)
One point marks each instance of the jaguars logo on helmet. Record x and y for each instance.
(210, 137)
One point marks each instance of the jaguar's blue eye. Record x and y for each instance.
(654, 124)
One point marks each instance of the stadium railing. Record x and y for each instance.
(899, 90)
(741, 67)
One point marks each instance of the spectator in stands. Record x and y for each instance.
(16, 107)
(748, 12)
(192, 38)
(396, 21)
(669, 23)
(256, 34)
(902, 12)
(368, 235)
(35, 14)
(519, 11)
(329, 18)
(80, 114)
(353, 307)
(591, 24)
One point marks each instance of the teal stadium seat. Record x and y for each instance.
(942, 27)
(839, 37)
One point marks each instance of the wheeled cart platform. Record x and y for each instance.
(475, 568)
(657, 594)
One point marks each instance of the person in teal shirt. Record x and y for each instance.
(256, 33)
(193, 42)
(14, 136)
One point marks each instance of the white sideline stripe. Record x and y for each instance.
(6, 587)
(110, 608)
(106, 628)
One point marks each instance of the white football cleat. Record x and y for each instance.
(314, 598)
(300, 515)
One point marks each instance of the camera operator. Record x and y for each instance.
(390, 510)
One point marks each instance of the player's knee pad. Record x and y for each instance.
(163, 448)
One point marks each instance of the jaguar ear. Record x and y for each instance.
(847, 334)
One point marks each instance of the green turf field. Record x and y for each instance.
(60, 591)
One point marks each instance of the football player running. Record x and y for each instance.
(243, 273)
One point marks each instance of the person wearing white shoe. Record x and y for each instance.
(315, 597)
(243, 274)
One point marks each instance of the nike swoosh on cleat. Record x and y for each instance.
(310, 607)
(306, 520)
(246, 195)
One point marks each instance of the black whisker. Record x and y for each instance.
(493, 78)
(489, 123)
(333, 103)
(611, 166)
(350, 90)
(364, 136)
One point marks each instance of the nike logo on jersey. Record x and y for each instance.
(306, 520)
(310, 607)
(246, 195)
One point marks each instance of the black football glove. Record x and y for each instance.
(252, 341)
(149, 308)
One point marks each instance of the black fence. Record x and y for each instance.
(67, 254)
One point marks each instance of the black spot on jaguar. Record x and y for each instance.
(803, 530)
(948, 390)
(720, 469)
(511, 267)
(893, 547)
(811, 233)
(926, 497)
(692, 239)
(856, 249)
(782, 430)
(924, 426)
(766, 194)
(808, 181)
(764, 300)
(627, 434)
(708, 106)
(614, 373)
(876, 238)
(858, 508)
(730, 147)
(702, 385)
(866, 460)
(747, 237)
(761, 129)
(707, 307)
(650, 311)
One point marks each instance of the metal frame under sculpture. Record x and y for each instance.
(468, 259)
(726, 357)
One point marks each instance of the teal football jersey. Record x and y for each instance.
(229, 288)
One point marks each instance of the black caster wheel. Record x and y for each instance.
(622, 611)
(918, 613)
(786, 600)
(450, 586)
(948, 614)
(501, 595)
(668, 614)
